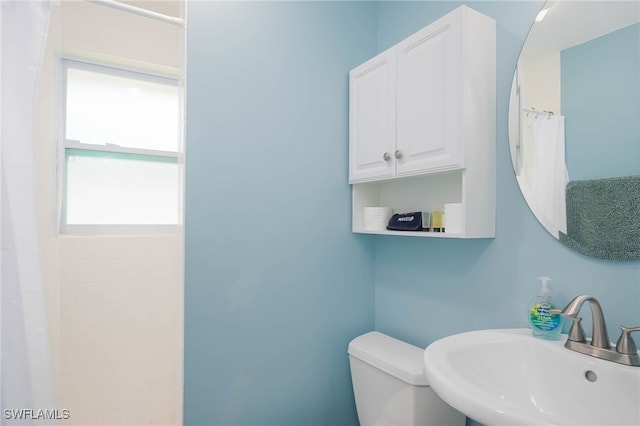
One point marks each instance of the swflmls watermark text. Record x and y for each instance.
(35, 414)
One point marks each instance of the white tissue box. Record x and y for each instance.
(453, 218)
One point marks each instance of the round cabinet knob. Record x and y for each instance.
(386, 156)
(398, 155)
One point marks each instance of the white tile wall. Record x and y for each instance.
(121, 327)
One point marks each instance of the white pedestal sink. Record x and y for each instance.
(508, 377)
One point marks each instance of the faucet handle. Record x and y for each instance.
(576, 333)
(625, 344)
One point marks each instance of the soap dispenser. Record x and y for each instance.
(544, 324)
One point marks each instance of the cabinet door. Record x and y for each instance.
(429, 133)
(372, 119)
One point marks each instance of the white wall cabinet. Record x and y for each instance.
(422, 124)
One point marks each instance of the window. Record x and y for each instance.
(121, 137)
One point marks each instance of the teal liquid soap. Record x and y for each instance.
(544, 324)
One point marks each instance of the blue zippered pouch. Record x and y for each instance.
(405, 222)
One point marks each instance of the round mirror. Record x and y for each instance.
(574, 125)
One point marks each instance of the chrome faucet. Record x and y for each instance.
(599, 336)
(625, 351)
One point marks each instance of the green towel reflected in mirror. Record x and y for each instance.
(603, 218)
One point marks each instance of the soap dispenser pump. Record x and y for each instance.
(544, 324)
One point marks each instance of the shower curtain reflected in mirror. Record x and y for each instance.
(551, 172)
(25, 367)
(543, 177)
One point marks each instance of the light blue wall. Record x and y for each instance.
(276, 283)
(430, 288)
(601, 103)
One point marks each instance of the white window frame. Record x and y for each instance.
(109, 229)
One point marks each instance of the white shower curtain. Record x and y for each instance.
(549, 173)
(25, 367)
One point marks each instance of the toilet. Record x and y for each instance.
(390, 387)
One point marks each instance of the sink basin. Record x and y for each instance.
(508, 377)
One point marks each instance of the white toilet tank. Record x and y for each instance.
(390, 387)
